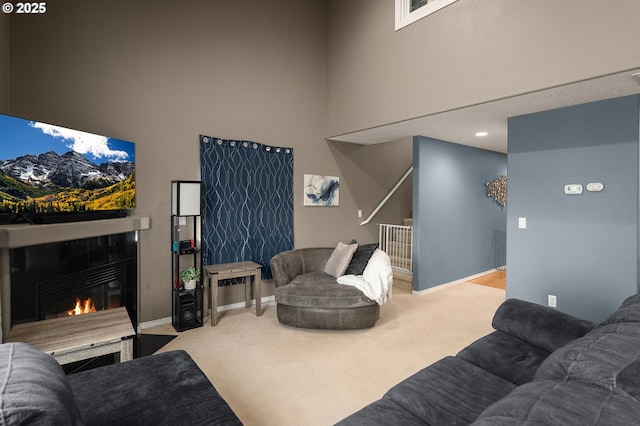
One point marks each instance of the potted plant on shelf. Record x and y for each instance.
(189, 277)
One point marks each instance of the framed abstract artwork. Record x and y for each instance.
(321, 190)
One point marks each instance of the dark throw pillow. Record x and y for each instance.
(360, 259)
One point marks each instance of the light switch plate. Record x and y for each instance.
(522, 222)
(573, 189)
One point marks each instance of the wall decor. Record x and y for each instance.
(497, 190)
(247, 212)
(321, 190)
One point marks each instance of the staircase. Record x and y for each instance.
(397, 242)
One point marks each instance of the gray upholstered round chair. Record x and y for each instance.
(307, 297)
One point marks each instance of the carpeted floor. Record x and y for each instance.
(275, 375)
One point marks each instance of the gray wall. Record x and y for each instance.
(454, 219)
(161, 72)
(581, 248)
(369, 169)
(470, 52)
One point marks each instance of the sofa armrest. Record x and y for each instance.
(286, 266)
(289, 264)
(541, 326)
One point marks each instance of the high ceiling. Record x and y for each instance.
(460, 125)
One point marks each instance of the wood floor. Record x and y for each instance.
(496, 279)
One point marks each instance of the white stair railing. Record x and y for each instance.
(397, 242)
(383, 202)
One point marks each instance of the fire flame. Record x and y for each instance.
(82, 307)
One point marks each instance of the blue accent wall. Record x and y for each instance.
(581, 248)
(454, 220)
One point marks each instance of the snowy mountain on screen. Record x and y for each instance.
(70, 170)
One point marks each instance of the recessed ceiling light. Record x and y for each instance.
(481, 134)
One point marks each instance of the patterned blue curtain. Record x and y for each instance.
(247, 201)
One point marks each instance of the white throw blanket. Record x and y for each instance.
(377, 279)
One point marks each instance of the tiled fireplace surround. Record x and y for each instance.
(25, 235)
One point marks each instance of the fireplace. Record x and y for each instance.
(90, 290)
(58, 279)
(30, 254)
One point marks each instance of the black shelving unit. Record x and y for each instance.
(186, 228)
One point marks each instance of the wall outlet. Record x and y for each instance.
(359, 213)
(522, 223)
(552, 300)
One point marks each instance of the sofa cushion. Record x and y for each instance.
(451, 391)
(629, 379)
(339, 260)
(505, 356)
(629, 311)
(320, 290)
(599, 357)
(562, 403)
(382, 412)
(34, 389)
(162, 389)
(541, 326)
(360, 259)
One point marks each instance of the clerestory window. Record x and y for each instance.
(410, 11)
(417, 4)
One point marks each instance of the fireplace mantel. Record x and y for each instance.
(23, 235)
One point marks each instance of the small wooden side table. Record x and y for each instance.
(224, 271)
(74, 338)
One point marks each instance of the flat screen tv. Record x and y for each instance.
(51, 173)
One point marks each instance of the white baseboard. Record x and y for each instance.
(449, 284)
(266, 301)
(154, 323)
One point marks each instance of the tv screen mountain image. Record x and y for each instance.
(52, 169)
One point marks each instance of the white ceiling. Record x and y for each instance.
(460, 125)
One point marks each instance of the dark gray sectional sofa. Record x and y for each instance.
(163, 389)
(539, 367)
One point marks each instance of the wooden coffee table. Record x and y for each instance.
(74, 338)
